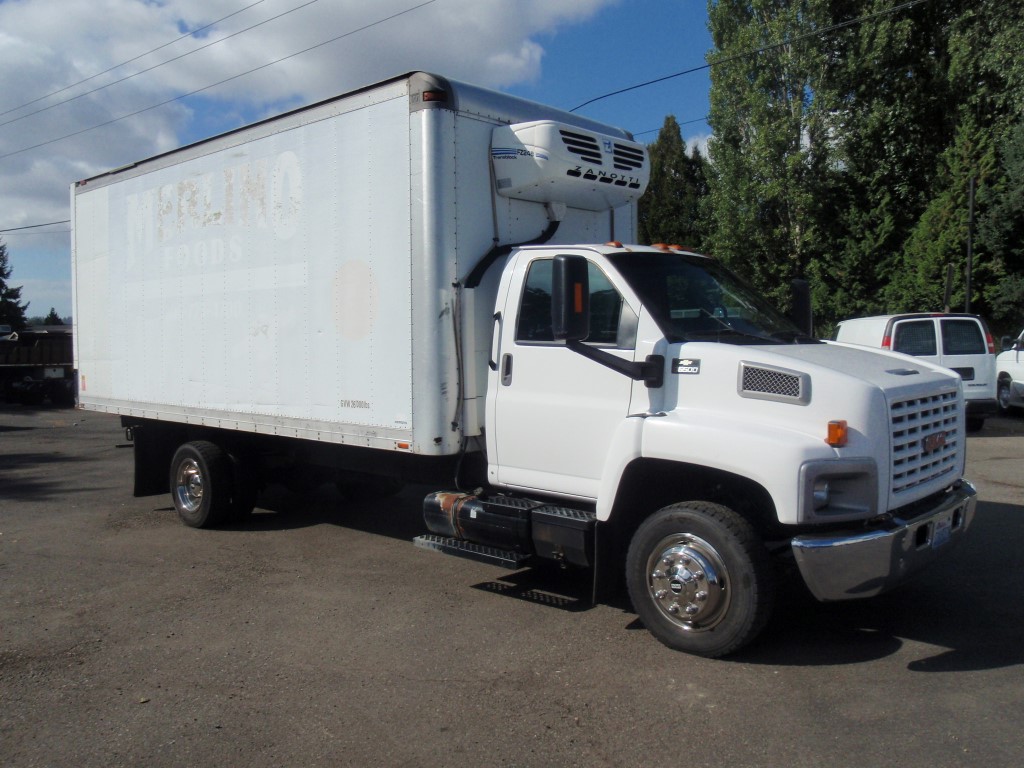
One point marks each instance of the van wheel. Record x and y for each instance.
(1003, 397)
(201, 484)
(700, 578)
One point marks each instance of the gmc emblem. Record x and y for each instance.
(934, 442)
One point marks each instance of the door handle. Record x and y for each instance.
(492, 361)
(506, 369)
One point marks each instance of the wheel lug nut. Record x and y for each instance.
(698, 574)
(660, 594)
(666, 560)
(674, 608)
(659, 574)
(701, 596)
(691, 609)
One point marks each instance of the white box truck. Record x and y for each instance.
(389, 286)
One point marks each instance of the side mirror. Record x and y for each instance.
(570, 298)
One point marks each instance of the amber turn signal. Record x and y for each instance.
(837, 433)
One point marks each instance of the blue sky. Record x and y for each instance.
(559, 52)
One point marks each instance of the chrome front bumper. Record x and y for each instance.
(865, 563)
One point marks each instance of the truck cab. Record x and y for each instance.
(653, 387)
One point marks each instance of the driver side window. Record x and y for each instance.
(609, 315)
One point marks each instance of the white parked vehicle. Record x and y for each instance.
(395, 284)
(959, 342)
(1010, 370)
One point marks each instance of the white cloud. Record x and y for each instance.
(45, 46)
(699, 141)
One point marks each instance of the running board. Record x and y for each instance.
(501, 557)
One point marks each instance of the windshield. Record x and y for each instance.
(694, 298)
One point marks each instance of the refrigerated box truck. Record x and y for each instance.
(425, 281)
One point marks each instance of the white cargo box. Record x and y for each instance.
(295, 277)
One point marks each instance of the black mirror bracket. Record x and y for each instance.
(651, 372)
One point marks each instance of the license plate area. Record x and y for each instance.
(943, 531)
(938, 532)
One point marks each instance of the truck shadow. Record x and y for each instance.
(960, 615)
(965, 614)
(397, 517)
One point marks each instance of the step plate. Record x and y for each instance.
(500, 557)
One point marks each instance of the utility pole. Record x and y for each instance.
(970, 243)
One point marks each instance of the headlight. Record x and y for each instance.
(821, 493)
(838, 489)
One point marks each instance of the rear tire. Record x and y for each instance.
(700, 579)
(201, 484)
(1003, 397)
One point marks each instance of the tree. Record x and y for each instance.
(1000, 236)
(53, 318)
(846, 133)
(671, 208)
(12, 311)
(770, 153)
(894, 121)
(985, 87)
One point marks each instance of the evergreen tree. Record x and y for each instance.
(12, 311)
(985, 96)
(893, 123)
(846, 134)
(52, 318)
(670, 210)
(1000, 236)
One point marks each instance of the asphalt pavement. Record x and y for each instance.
(318, 635)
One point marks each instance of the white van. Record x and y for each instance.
(1010, 364)
(956, 341)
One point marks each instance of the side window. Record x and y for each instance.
(962, 337)
(915, 337)
(535, 308)
(606, 307)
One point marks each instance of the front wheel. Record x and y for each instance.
(700, 579)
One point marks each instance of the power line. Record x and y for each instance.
(36, 226)
(214, 85)
(684, 122)
(754, 52)
(129, 61)
(155, 66)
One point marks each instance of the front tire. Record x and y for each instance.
(700, 579)
(201, 484)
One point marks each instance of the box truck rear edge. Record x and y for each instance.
(395, 285)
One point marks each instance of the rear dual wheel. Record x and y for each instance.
(209, 487)
(700, 578)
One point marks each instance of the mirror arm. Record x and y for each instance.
(651, 372)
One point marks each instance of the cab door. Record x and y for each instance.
(552, 412)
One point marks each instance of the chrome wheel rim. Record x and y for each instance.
(688, 582)
(188, 485)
